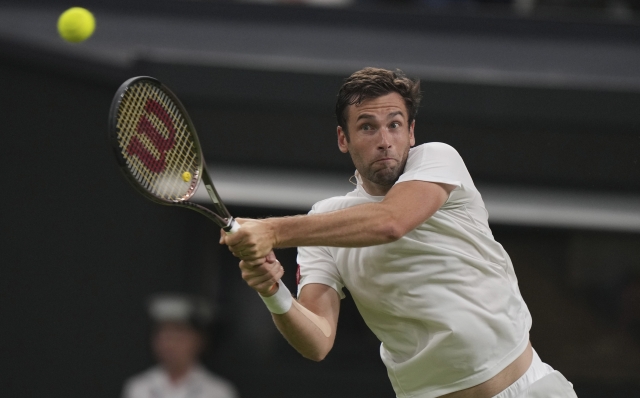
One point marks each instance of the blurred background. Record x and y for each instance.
(540, 97)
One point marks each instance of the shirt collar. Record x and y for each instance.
(362, 191)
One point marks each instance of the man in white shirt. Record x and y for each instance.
(177, 343)
(413, 246)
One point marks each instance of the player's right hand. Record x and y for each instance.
(254, 240)
(262, 275)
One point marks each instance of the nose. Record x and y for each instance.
(385, 136)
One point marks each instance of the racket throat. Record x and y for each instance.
(211, 191)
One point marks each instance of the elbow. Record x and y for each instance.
(391, 230)
(315, 356)
(389, 226)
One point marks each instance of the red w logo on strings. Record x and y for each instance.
(160, 142)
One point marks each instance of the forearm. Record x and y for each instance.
(406, 206)
(363, 225)
(313, 340)
(310, 329)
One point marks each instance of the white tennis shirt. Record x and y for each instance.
(444, 299)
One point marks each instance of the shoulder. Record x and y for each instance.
(141, 381)
(149, 374)
(337, 203)
(433, 156)
(216, 385)
(433, 148)
(437, 162)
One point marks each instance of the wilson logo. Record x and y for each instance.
(161, 143)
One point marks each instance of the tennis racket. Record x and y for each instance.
(158, 149)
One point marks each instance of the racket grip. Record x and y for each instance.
(233, 227)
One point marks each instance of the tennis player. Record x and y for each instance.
(413, 246)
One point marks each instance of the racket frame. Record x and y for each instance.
(221, 215)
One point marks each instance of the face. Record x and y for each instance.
(379, 140)
(176, 345)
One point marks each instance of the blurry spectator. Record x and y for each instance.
(178, 340)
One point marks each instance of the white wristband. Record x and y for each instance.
(280, 302)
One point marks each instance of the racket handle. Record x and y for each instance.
(233, 227)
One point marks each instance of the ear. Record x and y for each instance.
(343, 144)
(412, 138)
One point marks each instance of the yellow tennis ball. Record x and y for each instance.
(186, 176)
(76, 24)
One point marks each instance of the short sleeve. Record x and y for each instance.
(439, 162)
(318, 266)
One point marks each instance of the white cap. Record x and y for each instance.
(180, 308)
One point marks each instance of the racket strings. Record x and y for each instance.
(156, 141)
(178, 161)
(144, 159)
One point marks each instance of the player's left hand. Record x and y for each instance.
(253, 241)
(262, 275)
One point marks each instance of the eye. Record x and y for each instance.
(394, 125)
(365, 127)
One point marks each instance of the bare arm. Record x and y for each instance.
(310, 324)
(299, 328)
(406, 205)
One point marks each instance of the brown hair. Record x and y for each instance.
(371, 83)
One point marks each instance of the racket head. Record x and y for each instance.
(155, 142)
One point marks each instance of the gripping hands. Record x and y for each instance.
(263, 277)
(253, 244)
(254, 241)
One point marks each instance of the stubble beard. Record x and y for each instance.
(387, 176)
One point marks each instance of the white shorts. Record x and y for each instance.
(539, 381)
